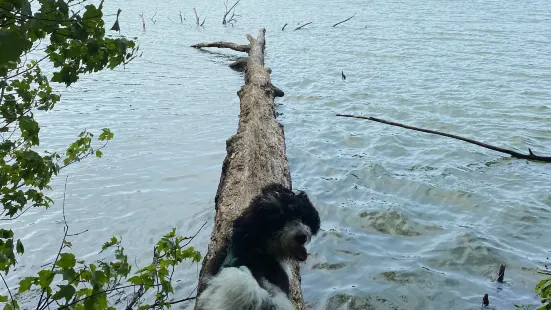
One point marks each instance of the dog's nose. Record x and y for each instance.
(301, 238)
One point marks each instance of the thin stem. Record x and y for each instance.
(9, 291)
(28, 69)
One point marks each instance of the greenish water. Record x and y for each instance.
(410, 220)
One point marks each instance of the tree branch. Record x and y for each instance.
(221, 44)
(300, 27)
(344, 21)
(9, 291)
(28, 69)
(224, 22)
(530, 156)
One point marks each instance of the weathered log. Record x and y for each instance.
(256, 156)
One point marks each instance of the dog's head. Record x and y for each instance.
(278, 223)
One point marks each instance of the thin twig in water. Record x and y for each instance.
(300, 27)
(232, 8)
(344, 21)
(530, 156)
(284, 27)
(203, 22)
(143, 22)
(196, 17)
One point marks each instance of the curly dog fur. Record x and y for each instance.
(269, 234)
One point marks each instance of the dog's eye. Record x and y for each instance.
(301, 238)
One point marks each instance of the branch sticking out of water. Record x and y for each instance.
(300, 27)
(530, 156)
(344, 21)
(196, 17)
(501, 273)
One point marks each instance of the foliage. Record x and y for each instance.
(69, 38)
(82, 286)
(544, 290)
(73, 43)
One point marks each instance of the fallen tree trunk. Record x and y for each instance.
(255, 157)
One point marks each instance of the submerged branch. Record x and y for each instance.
(530, 156)
(300, 27)
(344, 21)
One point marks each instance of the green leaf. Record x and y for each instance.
(109, 244)
(66, 260)
(3, 298)
(25, 284)
(106, 135)
(19, 247)
(12, 44)
(65, 291)
(29, 129)
(98, 153)
(45, 278)
(69, 274)
(6, 233)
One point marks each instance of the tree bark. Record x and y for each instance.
(255, 157)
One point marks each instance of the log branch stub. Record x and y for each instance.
(344, 21)
(239, 65)
(256, 156)
(530, 156)
(501, 273)
(300, 27)
(222, 44)
(486, 300)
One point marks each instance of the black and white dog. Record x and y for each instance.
(269, 234)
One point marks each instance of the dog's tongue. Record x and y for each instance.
(302, 254)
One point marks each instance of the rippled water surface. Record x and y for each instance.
(410, 220)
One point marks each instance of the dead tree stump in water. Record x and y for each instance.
(255, 157)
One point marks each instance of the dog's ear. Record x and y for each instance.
(264, 216)
(307, 212)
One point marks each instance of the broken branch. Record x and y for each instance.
(300, 27)
(232, 8)
(221, 44)
(344, 21)
(530, 156)
(196, 17)
(501, 273)
(143, 22)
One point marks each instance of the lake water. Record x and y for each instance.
(410, 220)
